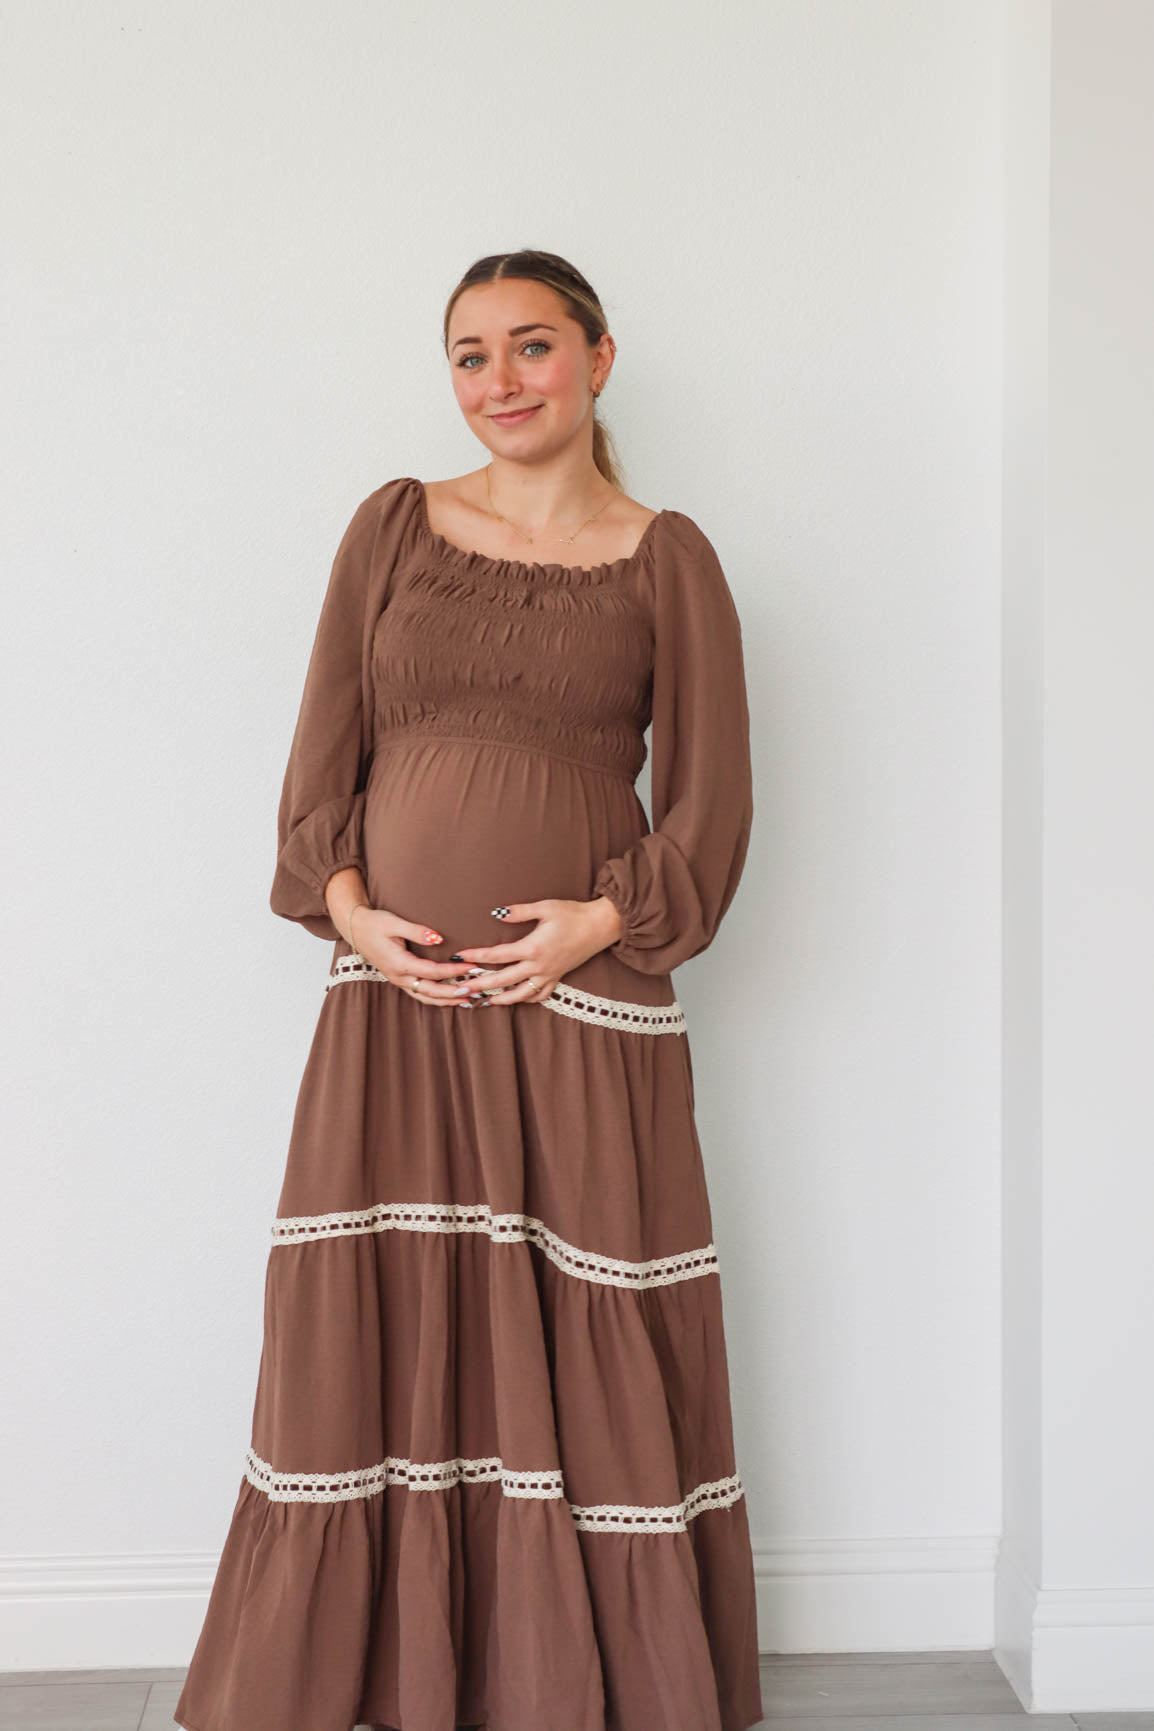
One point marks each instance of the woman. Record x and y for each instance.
(491, 1479)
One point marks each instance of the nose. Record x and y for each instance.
(501, 382)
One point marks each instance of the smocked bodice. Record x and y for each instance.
(538, 657)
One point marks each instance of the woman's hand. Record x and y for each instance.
(380, 938)
(527, 970)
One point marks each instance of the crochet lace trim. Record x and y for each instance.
(282, 1487)
(502, 1229)
(564, 999)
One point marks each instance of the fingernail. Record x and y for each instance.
(456, 958)
(432, 937)
(499, 913)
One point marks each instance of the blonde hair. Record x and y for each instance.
(580, 301)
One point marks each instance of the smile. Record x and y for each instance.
(515, 416)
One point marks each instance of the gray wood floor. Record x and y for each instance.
(801, 1692)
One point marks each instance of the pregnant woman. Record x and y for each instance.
(491, 1479)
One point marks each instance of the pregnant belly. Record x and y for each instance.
(455, 828)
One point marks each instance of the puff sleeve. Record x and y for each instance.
(674, 884)
(321, 813)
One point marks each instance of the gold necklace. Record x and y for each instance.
(566, 540)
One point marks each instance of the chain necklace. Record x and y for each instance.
(566, 540)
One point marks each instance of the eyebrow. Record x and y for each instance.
(514, 331)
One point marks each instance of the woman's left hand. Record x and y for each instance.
(527, 970)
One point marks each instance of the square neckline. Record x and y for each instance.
(548, 566)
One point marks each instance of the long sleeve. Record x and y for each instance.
(321, 812)
(674, 884)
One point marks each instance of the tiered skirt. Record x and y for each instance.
(491, 1479)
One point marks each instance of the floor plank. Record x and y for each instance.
(1019, 1721)
(72, 1706)
(1114, 1721)
(957, 1691)
(866, 1685)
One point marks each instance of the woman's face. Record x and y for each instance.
(513, 347)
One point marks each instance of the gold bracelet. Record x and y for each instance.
(352, 911)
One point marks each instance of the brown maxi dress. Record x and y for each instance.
(492, 1476)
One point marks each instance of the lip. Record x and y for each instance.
(516, 416)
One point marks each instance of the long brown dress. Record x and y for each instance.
(492, 1476)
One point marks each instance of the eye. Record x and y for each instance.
(532, 343)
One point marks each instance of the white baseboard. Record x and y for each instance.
(813, 1596)
(1074, 1649)
(131, 1610)
(875, 1595)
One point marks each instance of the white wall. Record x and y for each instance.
(236, 230)
(1076, 1599)
(1026, 217)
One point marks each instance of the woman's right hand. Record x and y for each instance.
(380, 936)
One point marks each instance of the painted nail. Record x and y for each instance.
(499, 913)
(456, 958)
(432, 937)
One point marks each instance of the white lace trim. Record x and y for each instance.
(564, 999)
(502, 1229)
(440, 1475)
(615, 1012)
